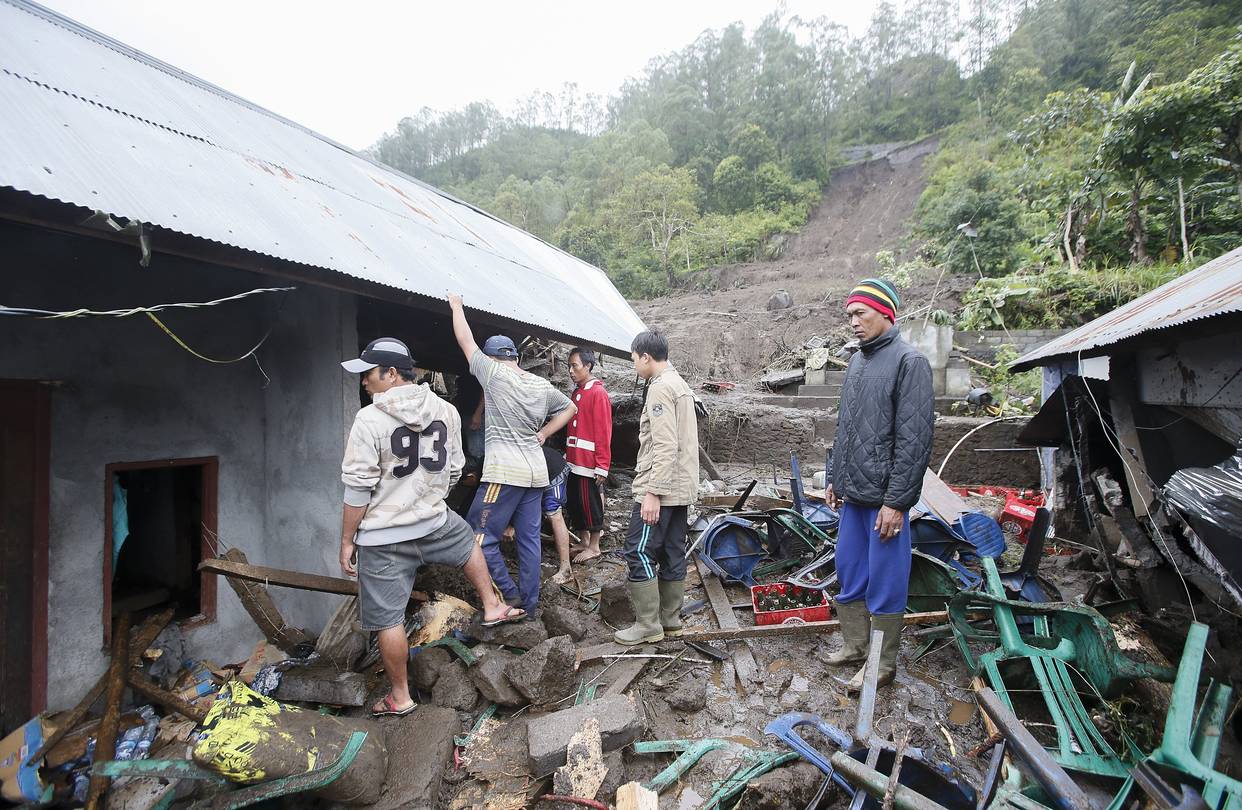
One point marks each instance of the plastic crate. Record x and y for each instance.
(819, 612)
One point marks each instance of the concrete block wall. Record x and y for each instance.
(983, 345)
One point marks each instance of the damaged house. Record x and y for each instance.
(1145, 406)
(183, 272)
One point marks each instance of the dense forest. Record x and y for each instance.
(1090, 149)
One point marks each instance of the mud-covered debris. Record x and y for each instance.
(490, 678)
(545, 673)
(425, 666)
(523, 635)
(454, 689)
(620, 718)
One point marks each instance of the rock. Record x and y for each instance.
(490, 679)
(688, 695)
(777, 682)
(323, 684)
(426, 665)
(781, 299)
(546, 672)
(523, 635)
(620, 720)
(454, 689)
(614, 604)
(419, 745)
(563, 621)
(795, 696)
(614, 761)
(792, 785)
(584, 770)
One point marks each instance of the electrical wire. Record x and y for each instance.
(123, 313)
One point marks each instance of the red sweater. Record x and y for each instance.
(589, 447)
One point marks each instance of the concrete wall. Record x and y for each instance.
(128, 393)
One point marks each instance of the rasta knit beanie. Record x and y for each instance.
(878, 294)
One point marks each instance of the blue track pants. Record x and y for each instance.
(871, 569)
(495, 508)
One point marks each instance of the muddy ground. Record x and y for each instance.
(684, 699)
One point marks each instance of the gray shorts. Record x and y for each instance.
(386, 573)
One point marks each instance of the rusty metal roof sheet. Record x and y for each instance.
(89, 121)
(1213, 289)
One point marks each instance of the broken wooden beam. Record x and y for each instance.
(708, 465)
(810, 628)
(633, 796)
(627, 671)
(142, 639)
(105, 744)
(144, 686)
(262, 608)
(743, 659)
(289, 579)
(755, 502)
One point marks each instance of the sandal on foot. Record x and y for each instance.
(511, 614)
(390, 708)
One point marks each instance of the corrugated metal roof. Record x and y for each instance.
(1213, 289)
(88, 121)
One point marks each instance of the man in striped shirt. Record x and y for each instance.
(521, 410)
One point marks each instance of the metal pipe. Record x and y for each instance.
(1047, 772)
(875, 783)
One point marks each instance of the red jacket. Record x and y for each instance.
(589, 447)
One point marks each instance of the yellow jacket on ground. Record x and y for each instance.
(668, 442)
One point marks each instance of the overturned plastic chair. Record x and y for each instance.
(731, 548)
(1191, 740)
(1066, 639)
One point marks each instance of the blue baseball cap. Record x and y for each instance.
(500, 346)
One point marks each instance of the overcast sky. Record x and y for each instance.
(352, 70)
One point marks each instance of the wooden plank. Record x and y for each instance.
(627, 671)
(633, 796)
(1141, 495)
(810, 628)
(262, 608)
(145, 636)
(289, 579)
(754, 502)
(334, 641)
(743, 659)
(943, 502)
(105, 745)
(586, 655)
(143, 685)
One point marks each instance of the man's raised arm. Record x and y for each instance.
(461, 329)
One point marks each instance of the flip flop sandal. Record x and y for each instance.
(390, 709)
(507, 617)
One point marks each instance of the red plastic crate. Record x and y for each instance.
(815, 613)
(1020, 506)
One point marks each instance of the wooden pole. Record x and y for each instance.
(146, 634)
(148, 689)
(105, 743)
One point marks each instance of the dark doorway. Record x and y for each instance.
(161, 521)
(25, 411)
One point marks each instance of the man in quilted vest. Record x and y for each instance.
(881, 450)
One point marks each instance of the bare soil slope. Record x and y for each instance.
(728, 334)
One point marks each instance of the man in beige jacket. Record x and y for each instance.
(402, 457)
(666, 482)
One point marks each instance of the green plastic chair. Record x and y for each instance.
(1064, 636)
(1191, 742)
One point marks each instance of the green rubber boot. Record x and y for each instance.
(855, 631)
(890, 624)
(646, 629)
(671, 595)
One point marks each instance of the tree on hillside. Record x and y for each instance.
(657, 207)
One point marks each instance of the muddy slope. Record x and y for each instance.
(728, 334)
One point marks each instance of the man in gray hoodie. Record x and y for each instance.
(881, 450)
(402, 457)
